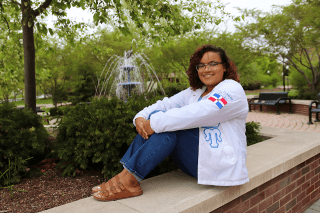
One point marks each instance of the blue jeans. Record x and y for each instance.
(144, 155)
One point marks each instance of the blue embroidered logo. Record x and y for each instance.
(213, 135)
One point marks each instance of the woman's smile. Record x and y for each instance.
(208, 75)
(211, 75)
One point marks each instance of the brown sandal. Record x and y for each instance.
(97, 188)
(117, 191)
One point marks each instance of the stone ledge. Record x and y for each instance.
(178, 192)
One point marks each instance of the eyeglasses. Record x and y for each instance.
(201, 67)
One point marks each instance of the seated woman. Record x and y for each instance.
(202, 129)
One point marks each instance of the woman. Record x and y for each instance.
(202, 129)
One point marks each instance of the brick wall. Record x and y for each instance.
(296, 108)
(291, 192)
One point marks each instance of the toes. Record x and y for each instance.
(97, 195)
(96, 188)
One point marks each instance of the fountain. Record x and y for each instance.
(129, 85)
(123, 76)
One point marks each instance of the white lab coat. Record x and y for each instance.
(222, 139)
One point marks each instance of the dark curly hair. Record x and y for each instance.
(230, 73)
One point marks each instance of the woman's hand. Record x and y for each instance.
(140, 127)
(147, 128)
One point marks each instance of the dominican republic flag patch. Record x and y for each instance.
(218, 100)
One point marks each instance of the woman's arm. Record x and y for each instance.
(166, 104)
(205, 112)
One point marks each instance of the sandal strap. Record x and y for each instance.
(112, 187)
(105, 193)
(103, 186)
(114, 193)
(119, 183)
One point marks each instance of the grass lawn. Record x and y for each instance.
(38, 101)
(292, 92)
(254, 93)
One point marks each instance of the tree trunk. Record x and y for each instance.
(29, 57)
(54, 95)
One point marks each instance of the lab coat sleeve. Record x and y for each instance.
(205, 112)
(176, 101)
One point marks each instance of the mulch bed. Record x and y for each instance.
(49, 189)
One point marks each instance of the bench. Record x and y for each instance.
(316, 110)
(38, 109)
(271, 99)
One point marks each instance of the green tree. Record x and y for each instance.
(85, 89)
(156, 18)
(11, 66)
(171, 59)
(291, 33)
(8, 83)
(174, 56)
(43, 80)
(55, 69)
(268, 70)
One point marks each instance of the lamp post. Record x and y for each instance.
(284, 82)
(287, 74)
(284, 74)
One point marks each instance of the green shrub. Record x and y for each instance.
(98, 134)
(22, 136)
(173, 89)
(85, 89)
(252, 86)
(59, 94)
(270, 80)
(55, 111)
(301, 85)
(66, 109)
(253, 133)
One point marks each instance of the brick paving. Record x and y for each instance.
(287, 121)
(284, 120)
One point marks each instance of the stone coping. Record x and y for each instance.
(178, 192)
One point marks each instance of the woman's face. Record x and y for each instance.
(213, 75)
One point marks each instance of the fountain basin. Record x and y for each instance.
(127, 67)
(129, 85)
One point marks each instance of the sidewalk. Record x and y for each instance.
(287, 121)
(284, 121)
(314, 208)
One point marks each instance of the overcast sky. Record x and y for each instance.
(264, 5)
(259, 4)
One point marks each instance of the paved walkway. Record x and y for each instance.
(287, 121)
(314, 208)
(284, 121)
